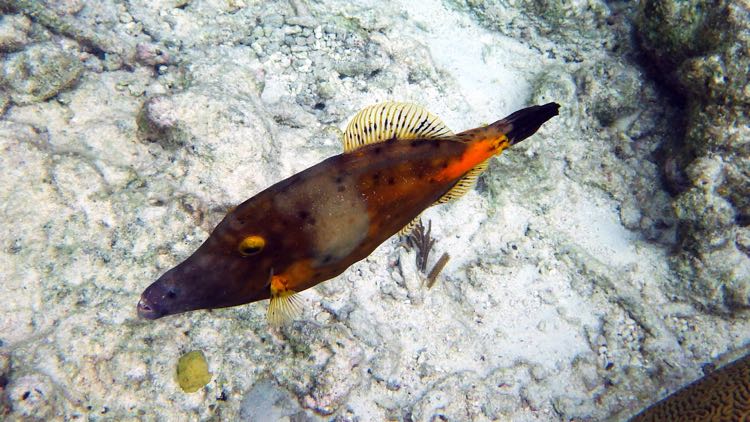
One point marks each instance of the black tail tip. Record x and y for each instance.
(525, 122)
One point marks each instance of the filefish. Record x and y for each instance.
(398, 160)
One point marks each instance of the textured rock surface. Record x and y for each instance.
(702, 49)
(39, 72)
(559, 300)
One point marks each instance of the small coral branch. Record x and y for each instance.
(422, 242)
(436, 269)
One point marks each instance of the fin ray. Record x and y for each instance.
(285, 305)
(385, 121)
(283, 308)
(406, 230)
(465, 184)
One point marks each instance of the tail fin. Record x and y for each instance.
(525, 122)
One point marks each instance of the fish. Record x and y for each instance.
(398, 160)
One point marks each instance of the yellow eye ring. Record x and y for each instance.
(251, 245)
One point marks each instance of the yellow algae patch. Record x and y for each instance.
(192, 371)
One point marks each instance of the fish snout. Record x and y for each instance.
(157, 300)
(172, 293)
(148, 310)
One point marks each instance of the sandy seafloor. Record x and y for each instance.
(130, 127)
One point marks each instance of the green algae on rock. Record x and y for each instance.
(192, 371)
(14, 32)
(40, 72)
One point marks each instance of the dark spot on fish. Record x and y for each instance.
(444, 164)
(435, 145)
(311, 221)
(414, 143)
(317, 274)
(341, 188)
(171, 294)
(339, 179)
(391, 181)
(303, 214)
(376, 177)
(378, 150)
(327, 259)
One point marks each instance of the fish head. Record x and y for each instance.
(232, 267)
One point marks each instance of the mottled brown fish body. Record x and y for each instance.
(722, 395)
(314, 225)
(318, 222)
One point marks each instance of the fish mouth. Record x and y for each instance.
(147, 311)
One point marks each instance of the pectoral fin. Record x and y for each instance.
(285, 305)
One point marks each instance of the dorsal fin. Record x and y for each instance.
(385, 121)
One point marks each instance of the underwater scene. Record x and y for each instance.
(359, 210)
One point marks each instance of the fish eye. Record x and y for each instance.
(251, 245)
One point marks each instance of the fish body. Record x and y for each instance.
(313, 225)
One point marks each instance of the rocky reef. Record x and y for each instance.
(597, 266)
(702, 52)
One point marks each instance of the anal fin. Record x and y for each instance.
(458, 190)
(406, 230)
(465, 184)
